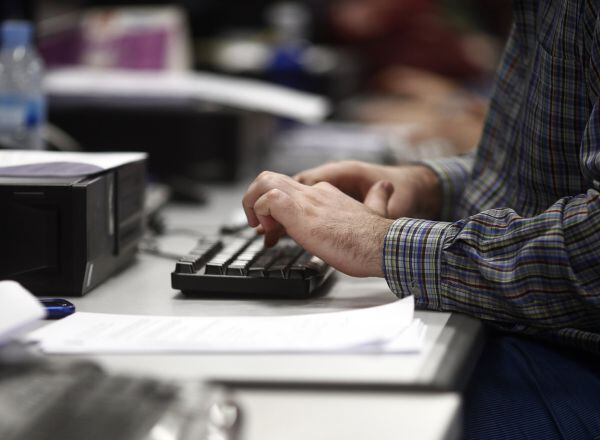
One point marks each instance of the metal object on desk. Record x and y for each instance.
(41, 400)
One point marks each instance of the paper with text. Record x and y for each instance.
(381, 329)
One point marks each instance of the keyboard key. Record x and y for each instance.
(213, 268)
(289, 254)
(184, 267)
(307, 266)
(316, 266)
(237, 268)
(298, 268)
(262, 263)
(198, 256)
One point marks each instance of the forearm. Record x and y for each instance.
(539, 272)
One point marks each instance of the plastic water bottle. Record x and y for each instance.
(22, 101)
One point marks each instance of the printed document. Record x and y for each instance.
(386, 328)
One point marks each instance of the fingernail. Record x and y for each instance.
(387, 186)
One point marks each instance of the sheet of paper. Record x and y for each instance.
(61, 164)
(237, 93)
(20, 309)
(369, 329)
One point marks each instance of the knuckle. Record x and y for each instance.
(349, 163)
(273, 197)
(266, 178)
(272, 194)
(324, 185)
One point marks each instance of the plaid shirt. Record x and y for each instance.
(520, 244)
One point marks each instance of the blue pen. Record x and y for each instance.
(57, 308)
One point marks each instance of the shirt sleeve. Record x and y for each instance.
(453, 173)
(540, 273)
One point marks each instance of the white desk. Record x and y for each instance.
(301, 395)
(319, 415)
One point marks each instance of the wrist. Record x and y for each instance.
(376, 242)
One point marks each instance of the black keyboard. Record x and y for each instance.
(240, 266)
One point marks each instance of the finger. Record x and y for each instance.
(250, 216)
(268, 223)
(306, 178)
(325, 185)
(300, 178)
(347, 176)
(261, 185)
(279, 207)
(273, 237)
(314, 175)
(378, 196)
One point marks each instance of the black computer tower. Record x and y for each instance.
(62, 236)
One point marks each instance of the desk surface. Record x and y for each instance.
(452, 341)
(317, 415)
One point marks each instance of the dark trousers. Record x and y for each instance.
(523, 389)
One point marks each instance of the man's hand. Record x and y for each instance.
(345, 233)
(417, 191)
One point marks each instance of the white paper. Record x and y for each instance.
(106, 161)
(238, 93)
(20, 309)
(383, 328)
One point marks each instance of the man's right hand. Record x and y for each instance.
(417, 191)
(329, 224)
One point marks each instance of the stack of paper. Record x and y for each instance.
(20, 310)
(389, 328)
(238, 93)
(61, 163)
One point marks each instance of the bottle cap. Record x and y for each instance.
(15, 33)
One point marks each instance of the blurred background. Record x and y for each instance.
(216, 90)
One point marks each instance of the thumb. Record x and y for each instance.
(378, 196)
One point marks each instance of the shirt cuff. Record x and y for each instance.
(412, 259)
(453, 173)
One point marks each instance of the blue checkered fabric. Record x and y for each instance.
(519, 244)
